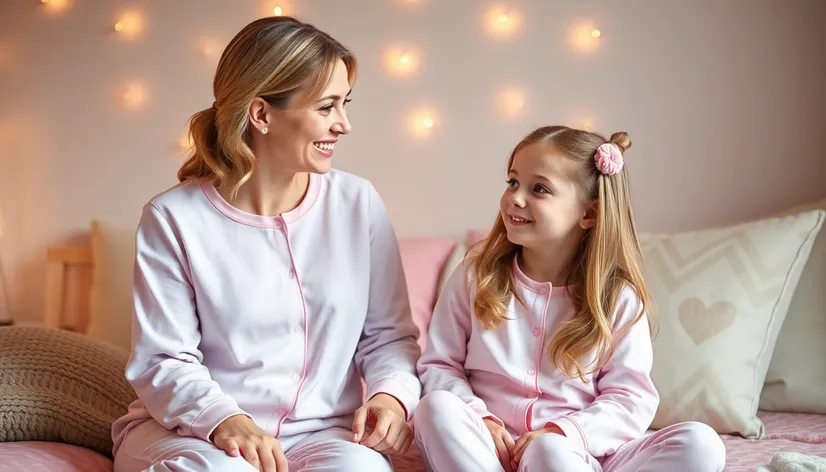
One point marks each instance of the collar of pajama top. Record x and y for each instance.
(505, 373)
(275, 317)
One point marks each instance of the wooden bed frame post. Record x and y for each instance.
(68, 281)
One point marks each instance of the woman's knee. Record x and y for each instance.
(185, 461)
(150, 446)
(349, 457)
(701, 447)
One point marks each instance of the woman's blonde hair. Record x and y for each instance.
(279, 59)
(608, 258)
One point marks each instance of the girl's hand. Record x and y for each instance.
(240, 434)
(525, 439)
(385, 415)
(504, 444)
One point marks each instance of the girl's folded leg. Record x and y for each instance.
(453, 438)
(683, 447)
(553, 452)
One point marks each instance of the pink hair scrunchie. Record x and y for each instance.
(608, 159)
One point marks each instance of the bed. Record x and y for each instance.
(72, 275)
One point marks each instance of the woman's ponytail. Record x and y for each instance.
(207, 161)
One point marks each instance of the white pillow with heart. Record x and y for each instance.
(721, 298)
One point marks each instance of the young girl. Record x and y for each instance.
(539, 352)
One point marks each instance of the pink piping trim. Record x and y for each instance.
(538, 362)
(306, 340)
(262, 221)
(538, 287)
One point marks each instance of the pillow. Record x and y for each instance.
(456, 257)
(423, 259)
(60, 386)
(475, 236)
(794, 382)
(110, 296)
(722, 296)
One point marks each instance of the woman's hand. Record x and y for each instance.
(240, 434)
(504, 444)
(385, 415)
(525, 439)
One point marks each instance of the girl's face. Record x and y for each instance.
(543, 204)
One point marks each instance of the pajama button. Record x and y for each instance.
(291, 274)
(531, 371)
(296, 377)
(298, 329)
(544, 290)
(279, 226)
(536, 332)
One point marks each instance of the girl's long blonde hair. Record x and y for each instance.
(608, 259)
(277, 58)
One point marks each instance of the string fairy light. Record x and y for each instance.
(587, 124)
(422, 121)
(185, 143)
(55, 6)
(210, 48)
(402, 61)
(584, 36)
(277, 8)
(133, 95)
(500, 20)
(512, 102)
(129, 24)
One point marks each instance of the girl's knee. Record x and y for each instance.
(438, 403)
(701, 446)
(552, 452)
(435, 411)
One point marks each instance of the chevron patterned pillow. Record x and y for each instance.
(721, 297)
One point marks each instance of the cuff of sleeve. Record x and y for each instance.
(572, 431)
(399, 391)
(213, 415)
(485, 414)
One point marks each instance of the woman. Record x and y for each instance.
(266, 284)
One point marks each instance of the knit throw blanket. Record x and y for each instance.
(60, 386)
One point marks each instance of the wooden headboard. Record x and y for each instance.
(69, 272)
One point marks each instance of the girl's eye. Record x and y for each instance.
(512, 183)
(347, 100)
(541, 189)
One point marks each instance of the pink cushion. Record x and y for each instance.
(475, 235)
(51, 456)
(423, 259)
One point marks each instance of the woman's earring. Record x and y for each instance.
(264, 131)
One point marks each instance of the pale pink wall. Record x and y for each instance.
(724, 102)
